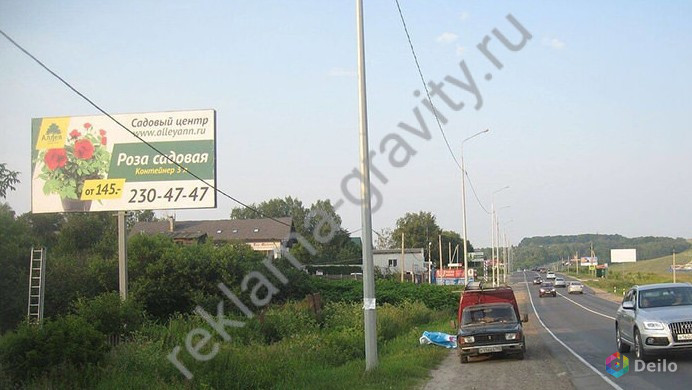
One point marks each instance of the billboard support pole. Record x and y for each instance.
(122, 256)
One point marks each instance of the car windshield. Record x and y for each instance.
(547, 285)
(486, 315)
(559, 280)
(665, 296)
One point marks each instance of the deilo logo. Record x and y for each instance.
(617, 364)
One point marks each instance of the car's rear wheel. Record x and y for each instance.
(622, 347)
(639, 350)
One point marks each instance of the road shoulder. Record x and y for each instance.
(546, 363)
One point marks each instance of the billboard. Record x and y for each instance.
(589, 261)
(90, 163)
(623, 255)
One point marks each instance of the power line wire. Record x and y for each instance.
(432, 105)
(18, 46)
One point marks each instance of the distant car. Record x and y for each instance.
(547, 289)
(560, 282)
(550, 275)
(655, 318)
(537, 280)
(575, 288)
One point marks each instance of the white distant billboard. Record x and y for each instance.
(623, 255)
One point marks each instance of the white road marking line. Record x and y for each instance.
(587, 309)
(581, 359)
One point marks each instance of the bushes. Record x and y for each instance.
(288, 320)
(109, 315)
(68, 340)
(389, 291)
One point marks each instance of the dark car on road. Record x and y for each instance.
(547, 289)
(537, 280)
(490, 328)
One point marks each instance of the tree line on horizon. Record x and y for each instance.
(535, 251)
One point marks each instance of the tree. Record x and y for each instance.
(385, 239)
(14, 268)
(420, 229)
(44, 228)
(8, 179)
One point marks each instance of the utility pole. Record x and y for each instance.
(429, 262)
(439, 246)
(449, 259)
(576, 260)
(463, 205)
(674, 280)
(403, 268)
(369, 303)
(492, 240)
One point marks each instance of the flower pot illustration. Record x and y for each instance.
(76, 205)
(64, 170)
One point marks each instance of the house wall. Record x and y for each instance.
(413, 262)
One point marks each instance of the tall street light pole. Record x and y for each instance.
(501, 249)
(463, 205)
(369, 304)
(493, 219)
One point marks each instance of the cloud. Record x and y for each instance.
(554, 43)
(460, 50)
(447, 37)
(464, 15)
(341, 72)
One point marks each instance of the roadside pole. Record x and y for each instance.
(369, 303)
(439, 246)
(674, 266)
(403, 267)
(122, 255)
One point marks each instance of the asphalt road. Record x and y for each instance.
(585, 323)
(568, 339)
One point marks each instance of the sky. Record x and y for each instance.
(589, 120)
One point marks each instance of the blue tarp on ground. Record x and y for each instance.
(439, 338)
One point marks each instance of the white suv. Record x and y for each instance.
(550, 275)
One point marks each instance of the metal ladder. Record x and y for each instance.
(37, 285)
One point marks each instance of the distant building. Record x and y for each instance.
(263, 235)
(389, 260)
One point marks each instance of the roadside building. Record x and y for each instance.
(263, 235)
(389, 261)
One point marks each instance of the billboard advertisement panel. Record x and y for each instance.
(589, 261)
(623, 255)
(90, 163)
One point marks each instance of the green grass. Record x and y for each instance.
(324, 355)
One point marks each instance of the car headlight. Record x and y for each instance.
(468, 339)
(653, 325)
(511, 336)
